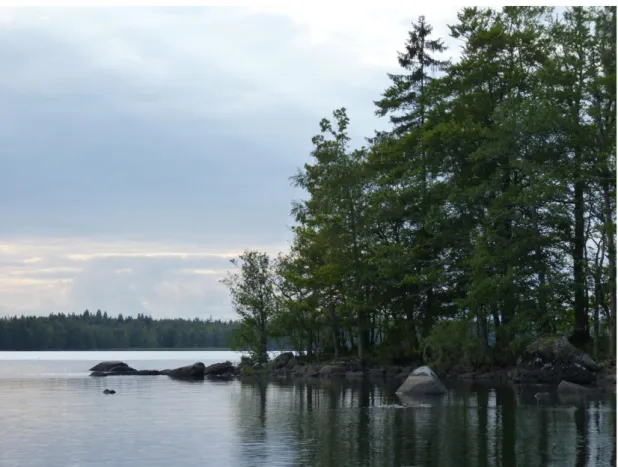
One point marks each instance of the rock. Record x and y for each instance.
(107, 366)
(354, 374)
(332, 370)
(218, 369)
(421, 381)
(607, 379)
(121, 370)
(109, 391)
(568, 388)
(550, 360)
(189, 372)
(377, 372)
(124, 372)
(571, 393)
(354, 365)
(148, 372)
(283, 360)
(392, 372)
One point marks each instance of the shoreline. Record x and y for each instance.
(157, 349)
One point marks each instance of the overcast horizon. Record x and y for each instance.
(145, 147)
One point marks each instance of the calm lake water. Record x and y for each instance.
(53, 414)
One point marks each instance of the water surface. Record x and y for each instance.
(53, 414)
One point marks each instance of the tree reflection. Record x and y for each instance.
(340, 423)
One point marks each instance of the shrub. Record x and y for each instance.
(450, 345)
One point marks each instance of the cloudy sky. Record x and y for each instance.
(143, 148)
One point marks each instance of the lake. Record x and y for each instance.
(53, 414)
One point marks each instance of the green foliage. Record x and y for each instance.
(99, 331)
(490, 201)
(451, 345)
(255, 300)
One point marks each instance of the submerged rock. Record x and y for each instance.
(421, 381)
(568, 388)
(550, 360)
(148, 372)
(109, 391)
(576, 394)
(189, 372)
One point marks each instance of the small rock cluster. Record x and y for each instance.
(287, 365)
(196, 371)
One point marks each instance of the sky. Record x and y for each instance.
(142, 148)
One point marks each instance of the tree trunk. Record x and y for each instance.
(598, 265)
(580, 336)
(610, 232)
(310, 345)
(430, 314)
(542, 292)
(335, 329)
(263, 353)
(363, 336)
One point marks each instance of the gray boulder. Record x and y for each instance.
(553, 359)
(189, 372)
(421, 381)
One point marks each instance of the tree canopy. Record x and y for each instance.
(483, 218)
(98, 331)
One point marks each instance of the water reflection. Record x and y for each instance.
(53, 414)
(340, 423)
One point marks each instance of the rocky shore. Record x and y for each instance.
(546, 361)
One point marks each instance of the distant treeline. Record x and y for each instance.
(93, 331)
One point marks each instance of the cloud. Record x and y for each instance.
(144, 147)
(71, 275)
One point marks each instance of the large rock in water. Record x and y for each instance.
(421, 381)
(553, 359)
(218, 369)
(116, 366)
(189, 372)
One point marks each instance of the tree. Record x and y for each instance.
(484, 217)
(335, 210)
(255, 301)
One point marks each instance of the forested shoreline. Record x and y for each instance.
(99, 331)
(484, 218)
